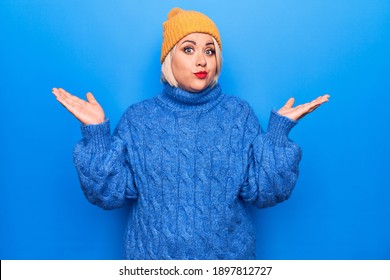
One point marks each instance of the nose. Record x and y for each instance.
(201, 59)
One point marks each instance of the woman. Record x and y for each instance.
(189, 160)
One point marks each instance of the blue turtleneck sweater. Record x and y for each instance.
(188, 164)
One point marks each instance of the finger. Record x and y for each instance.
(313, 108)
(325, 98)
(315, 103)
(66, 102)
(61, 90)
(71, 99)
(289, 103)
(310, 107)
(303, 110)
(321, 99)
(73, 107)
(91, 99)
(76, 100)
(55, 91)
(64, 93)
(60, 94)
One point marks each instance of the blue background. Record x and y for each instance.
(272, 50)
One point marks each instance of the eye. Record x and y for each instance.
(188, 50)
(210, 52)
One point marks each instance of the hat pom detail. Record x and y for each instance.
(174, 12)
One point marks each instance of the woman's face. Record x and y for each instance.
(194, 63)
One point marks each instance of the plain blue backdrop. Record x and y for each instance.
(272, 50)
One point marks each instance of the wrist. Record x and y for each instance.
(279, 127)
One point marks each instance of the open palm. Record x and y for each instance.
(298, 112)
(87, 112)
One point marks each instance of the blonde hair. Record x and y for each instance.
(166, 67)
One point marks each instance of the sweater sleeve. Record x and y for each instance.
(103, 166)
(273, 161)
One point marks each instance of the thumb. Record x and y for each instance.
(289, 103)
(91, 99)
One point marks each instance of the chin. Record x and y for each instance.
(197, 87)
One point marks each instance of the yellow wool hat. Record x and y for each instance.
(180, 23)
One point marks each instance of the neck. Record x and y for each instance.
(180, 99)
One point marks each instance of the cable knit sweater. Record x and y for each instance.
(188, 164)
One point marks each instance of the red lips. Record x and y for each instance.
(201, 74)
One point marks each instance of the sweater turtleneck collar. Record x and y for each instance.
(180, 99)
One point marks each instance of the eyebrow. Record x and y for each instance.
(193, 42)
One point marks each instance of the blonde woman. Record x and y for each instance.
(189, 160)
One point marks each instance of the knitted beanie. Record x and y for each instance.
(180, 23)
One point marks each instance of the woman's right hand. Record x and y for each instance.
(87, 112)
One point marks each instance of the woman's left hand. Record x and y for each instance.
(300, 111)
